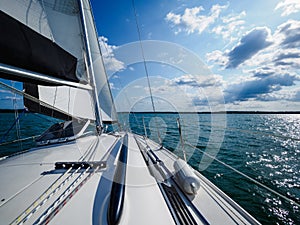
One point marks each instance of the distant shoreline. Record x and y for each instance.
(163, 112)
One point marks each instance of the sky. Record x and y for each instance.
(251, 48)
(199, 55)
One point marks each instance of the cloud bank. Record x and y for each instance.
(288, 7)
(192, 21)
(254, 41)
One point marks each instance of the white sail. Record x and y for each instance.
(73, 101)
(59, 30)
(104, 93)
(30, 13)
(56, 20)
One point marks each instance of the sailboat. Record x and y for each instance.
(76, 175)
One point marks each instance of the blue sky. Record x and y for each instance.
(252, 49)
(9, 100)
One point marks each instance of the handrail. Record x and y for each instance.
(117, 195)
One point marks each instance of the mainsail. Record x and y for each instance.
(55, 41)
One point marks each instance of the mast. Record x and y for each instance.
(90, 70)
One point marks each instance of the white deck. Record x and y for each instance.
(26, 177)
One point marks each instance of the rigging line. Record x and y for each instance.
(105, 46)
(128, 103)
(93, 153)
(91, 148)
(11, 127)
(37, 202)
(57, 185)
(36, 100)
(54, 100)
(85, 61)
(69, 99)
(15, 141)
(246, 176)
(241, 130)
(245, 131)
(69, 192)
(143, 55)
(45, 15)
(121, 85)
(146, 71)
(90, 69)
(16, 117)
(91, 20)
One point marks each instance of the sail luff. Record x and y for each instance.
(102, 90)
(108, 112)
(90, 69)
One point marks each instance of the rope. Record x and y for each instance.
(65, 197)
(43, 198)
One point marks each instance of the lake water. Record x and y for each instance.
(265, 147)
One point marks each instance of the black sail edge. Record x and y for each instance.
(22, 47)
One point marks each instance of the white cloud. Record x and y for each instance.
(249, 45)
(231, 26)
(113, 86)
(280, 52)
(191, 21)
(197, 81)
(111, 63)
(218, 57)
(5, 91)
(270, 74)
(11, 98)
(288, 7)
(183, 93)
